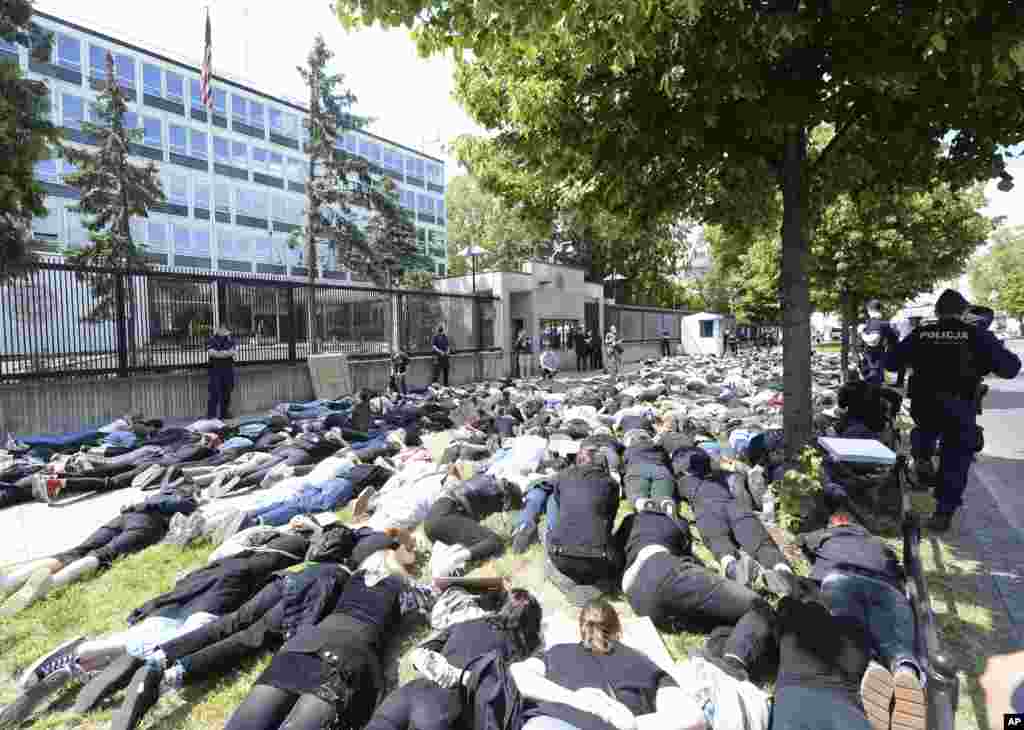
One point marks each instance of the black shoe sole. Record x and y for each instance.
(115, 677)
(143, 692)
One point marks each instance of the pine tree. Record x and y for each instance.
(113, 190)
(338, 183)
(25, 133)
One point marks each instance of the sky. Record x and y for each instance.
(409, 97)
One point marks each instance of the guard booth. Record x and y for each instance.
(704, 334)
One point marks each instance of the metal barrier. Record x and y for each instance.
(64, 320)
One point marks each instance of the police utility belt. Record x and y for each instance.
(578, 551)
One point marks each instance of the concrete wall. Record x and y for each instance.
(638, 351)
(62, 406)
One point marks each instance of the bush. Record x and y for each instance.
(799, 497)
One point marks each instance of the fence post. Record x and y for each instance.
(121, 325)
(396, 304)
(222, 303)
(292, 324)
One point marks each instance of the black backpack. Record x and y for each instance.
(493, 701)
(334, 544)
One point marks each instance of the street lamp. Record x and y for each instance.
(615, 278)
(472, 253)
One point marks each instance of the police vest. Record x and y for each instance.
(587, 501)
(945, 359)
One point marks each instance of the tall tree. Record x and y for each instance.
(705, 107)
(339, 183)
(479, 218)
(113, 191)
(26, 134)
(994, 275)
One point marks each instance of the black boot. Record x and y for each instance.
(115, 677)
(142, 693)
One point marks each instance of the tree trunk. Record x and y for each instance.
(846, 314)
(795, 297)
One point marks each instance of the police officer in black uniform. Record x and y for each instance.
(221, 350)
(878, 338)
(949, 359)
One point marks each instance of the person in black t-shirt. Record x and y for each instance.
(600, 683)
(222, 349)
(399, 367)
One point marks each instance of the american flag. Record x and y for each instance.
(205, 92)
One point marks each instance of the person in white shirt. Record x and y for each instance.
(548, 362)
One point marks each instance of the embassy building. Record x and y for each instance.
(233, 177)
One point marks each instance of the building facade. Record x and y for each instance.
(234, 178)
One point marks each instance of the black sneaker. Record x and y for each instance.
(30, 698)
(523, 537)
(63, 656)
(142, 693)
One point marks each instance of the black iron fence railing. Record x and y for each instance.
(644, 324)
(64, 320)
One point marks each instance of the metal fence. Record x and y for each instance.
(644, 324)
(63, 320)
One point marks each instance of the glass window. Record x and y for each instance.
(69, 52)
(124, 67)
(414, 167)
(46, 170)
(244, 202)
(97, 62)
(364, 148)
(707, 328)
(259, 158)
(220, 101)
(239, 108)
(152, 79)
(290, 125)
(78, 235)
(375, 151)
(137, 227)
(175, 86)
(240, 154)
(202, 196)
(176, 189)
(434, 173)
(276, 120)
(198, 144)
(425, 204)
(73, 111)
(179, 139)
(94, 115)
(201, 242)
(279, 207)
(182, 239)
(297, 211)
(256, 114)
(439, 209)
(156, 231)
(350, 143)
(152, 132)
(131, 120)
(222, 198)
(408, 199)
(67, 168)
(195, 93)
(275, 163)
(296, 170)
(221, 150)
(259, 204)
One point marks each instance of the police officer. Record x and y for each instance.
(949, 358)
(222, 351)
(878, 337)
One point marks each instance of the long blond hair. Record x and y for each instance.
(599, 626)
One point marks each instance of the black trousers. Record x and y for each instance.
(222, 382)
(442, 366)
(216, 647)
(724, 525)
(581, 361)
(672, 590)
(666, 348)
(270, 708)
(418, 705)
(115, 539)
(449, 523)
(588, 571)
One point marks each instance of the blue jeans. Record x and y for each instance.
(810, 708)
(883, 611)
(538, 501)
(955, 420)
(332, 494)
(545, 722)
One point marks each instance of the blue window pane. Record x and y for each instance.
(240, 154)
(221, 150)
(131, 120)
(239, 108)
(151, 79)
(220, 101)
(74, 111)
(256, 114)
(198, 146)
(125, 68)
(69, 52)
(97, 62)
(175, 86)
(178, 136)
(152, 132)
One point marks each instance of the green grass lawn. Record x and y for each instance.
(100, 606)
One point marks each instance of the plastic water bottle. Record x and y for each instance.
(768, 511)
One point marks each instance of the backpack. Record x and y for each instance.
(334, 544)
(492, 699)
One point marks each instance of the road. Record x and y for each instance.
(1001, 466)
